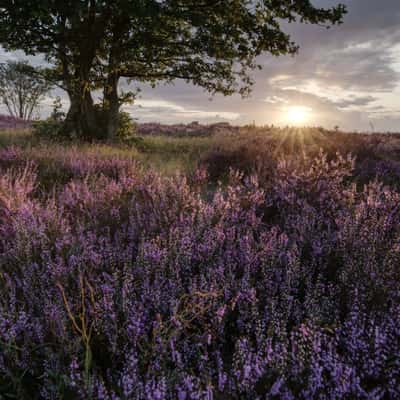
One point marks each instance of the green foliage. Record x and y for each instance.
(196, 40)
(57, 113)
(126, 126)
(47, 129)
(51, 128)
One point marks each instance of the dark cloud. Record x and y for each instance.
(355, 101)
(357, 54)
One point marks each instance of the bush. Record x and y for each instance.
(126, 126)
(48, 129)
(51, 128)
(129, 285)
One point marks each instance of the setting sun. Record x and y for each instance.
(298, 115)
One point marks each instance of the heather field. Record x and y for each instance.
(247, 263)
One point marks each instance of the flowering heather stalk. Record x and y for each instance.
(122, 284)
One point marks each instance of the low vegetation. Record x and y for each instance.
(266, 268)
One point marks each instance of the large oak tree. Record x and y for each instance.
(92, 44)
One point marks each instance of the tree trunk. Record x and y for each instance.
(81, 118)
(111, 106)
(71, 125)
(89, 124)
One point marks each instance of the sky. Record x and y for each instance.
(347, 76)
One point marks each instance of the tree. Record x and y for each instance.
(21, 89)
(92, 44)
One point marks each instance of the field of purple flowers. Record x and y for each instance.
(119, 282)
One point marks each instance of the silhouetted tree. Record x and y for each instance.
(93, 43)
(21, 89)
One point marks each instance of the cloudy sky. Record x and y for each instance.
(347, 76)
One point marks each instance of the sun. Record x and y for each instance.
(297, 115)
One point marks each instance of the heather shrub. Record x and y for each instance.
(12, 157)
(386, 171)
(121, 283)
(248, 154)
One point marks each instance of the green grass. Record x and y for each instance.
(16, 137)
(163, 153)
(168, 154)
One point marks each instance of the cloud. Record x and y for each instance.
(276, 100)
(355, 101)
(167, 111)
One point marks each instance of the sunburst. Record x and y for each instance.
(297, 115)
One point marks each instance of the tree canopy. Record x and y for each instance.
(210, 43)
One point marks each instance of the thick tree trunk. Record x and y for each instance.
(89, 123)
(81, 120)
(71, 124)
(85, 122)
(111, 106)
